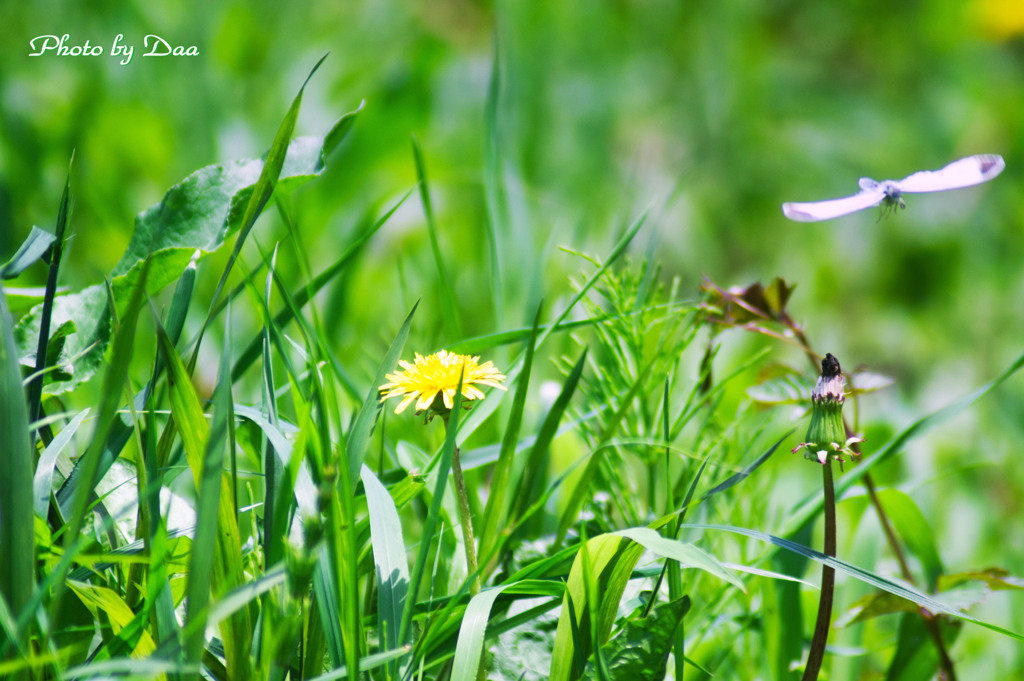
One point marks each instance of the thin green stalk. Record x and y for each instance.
(828, 580)
(466, 521)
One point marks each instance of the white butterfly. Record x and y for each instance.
(963, 173)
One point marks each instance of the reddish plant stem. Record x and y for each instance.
(931, 623)
(828, 580)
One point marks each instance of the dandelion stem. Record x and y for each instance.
(467, 524)
(828, 579)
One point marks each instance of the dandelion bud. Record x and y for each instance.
(826, 436)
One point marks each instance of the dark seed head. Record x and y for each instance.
(830, 366)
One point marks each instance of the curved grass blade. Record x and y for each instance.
(31, 250)
(220, 569)
(261, 193)
(359, 435)
(611, 561)
(866, 576)
(42, 481)
(391, 564)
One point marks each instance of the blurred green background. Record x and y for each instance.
(711, 113)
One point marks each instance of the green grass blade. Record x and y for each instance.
(682, 552)
(329, 609)
(359, 435)
(449, 311)
(470, 645)
(485, 408)
(479, 344)
(536, 463)
(218, 568)
(304, 295)
(391, 564)
(494, 511)
(42, 481)
(261, 193)
(35, 388)
(866, 576)
(17, 541)
(31, 250)
(430, 524)
(611, 561)
(493, 188)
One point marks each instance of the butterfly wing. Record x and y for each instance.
(826, 210)
(963, 173)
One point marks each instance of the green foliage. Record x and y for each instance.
(641, 650)
(201, 480)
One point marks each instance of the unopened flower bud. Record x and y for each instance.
(826, 436)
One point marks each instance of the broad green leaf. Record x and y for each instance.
(198, 213)
(640, 652)
(996, 579)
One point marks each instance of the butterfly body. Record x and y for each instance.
(963, 173)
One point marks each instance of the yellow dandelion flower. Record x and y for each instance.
(438, 374)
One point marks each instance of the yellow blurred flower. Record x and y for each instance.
(438, 374)
(1000, 19)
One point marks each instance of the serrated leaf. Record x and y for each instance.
(198, 213)
(994, 578)
(640, 652)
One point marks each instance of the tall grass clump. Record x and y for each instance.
(199, 484)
